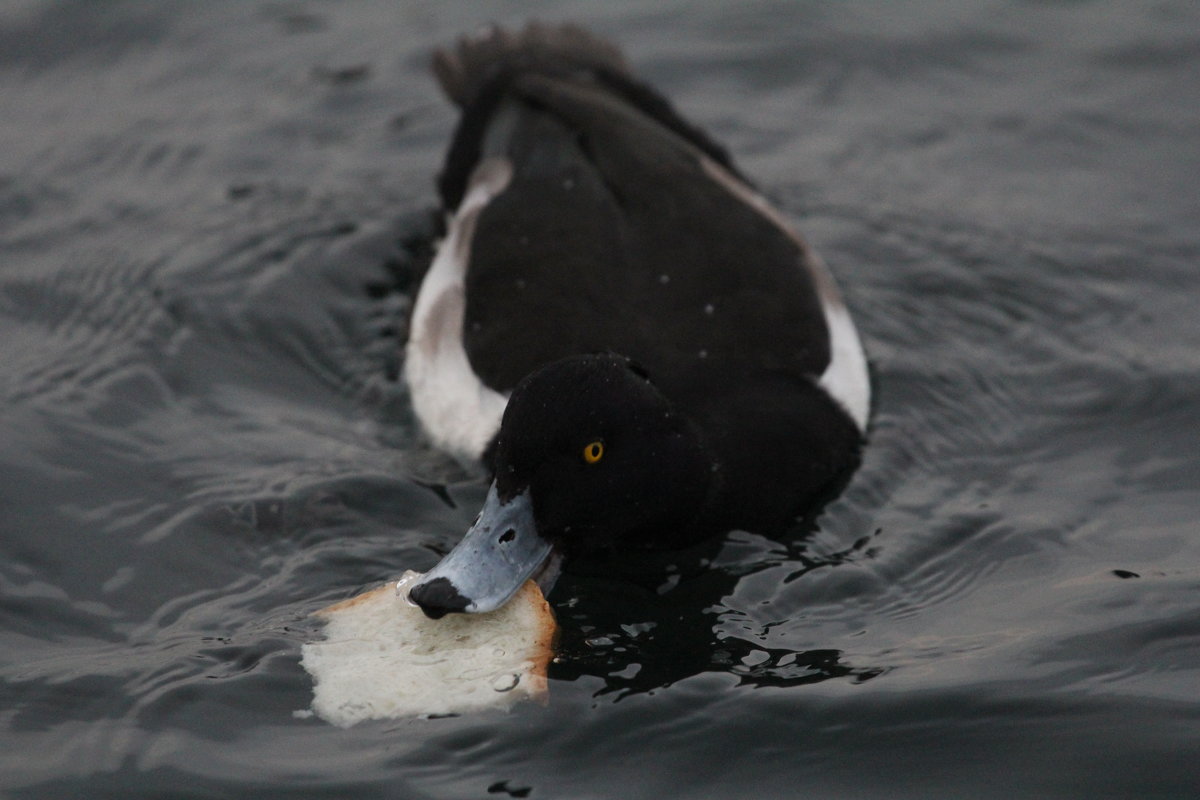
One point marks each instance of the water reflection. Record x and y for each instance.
(644, 627)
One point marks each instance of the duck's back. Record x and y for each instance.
(619, 230)
(587, 216)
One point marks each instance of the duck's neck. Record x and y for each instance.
(779, 445)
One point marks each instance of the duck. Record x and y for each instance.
(641, 350)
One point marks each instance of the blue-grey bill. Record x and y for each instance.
(500, 551)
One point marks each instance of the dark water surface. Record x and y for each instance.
(203, 217)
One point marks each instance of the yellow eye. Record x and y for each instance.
(593, 452)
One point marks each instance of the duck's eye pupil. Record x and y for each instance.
(593, 452)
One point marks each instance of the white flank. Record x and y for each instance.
(846, 378)
(458, 412)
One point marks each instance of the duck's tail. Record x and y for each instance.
(471, 64)
(477, 70)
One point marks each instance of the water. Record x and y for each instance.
(207, 216)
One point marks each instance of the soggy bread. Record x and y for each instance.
(382, 658)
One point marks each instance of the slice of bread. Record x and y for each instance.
(382, 658)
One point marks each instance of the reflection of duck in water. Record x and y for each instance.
(637, 345)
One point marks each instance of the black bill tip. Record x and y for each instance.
(438, 597)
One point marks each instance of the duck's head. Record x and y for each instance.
(590, 456)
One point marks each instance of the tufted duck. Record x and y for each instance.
(639, 347)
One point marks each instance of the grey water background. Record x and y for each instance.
(208, 215)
